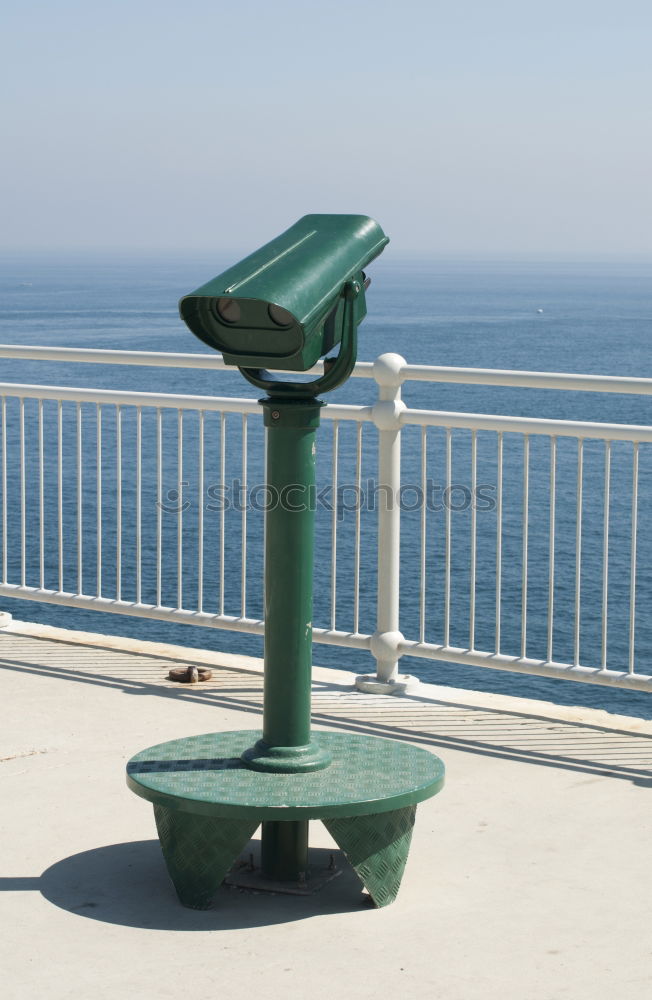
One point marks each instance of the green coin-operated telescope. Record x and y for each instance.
(290, 303)
(278, 311)
(282, 308)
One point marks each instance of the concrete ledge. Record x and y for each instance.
(331, 676)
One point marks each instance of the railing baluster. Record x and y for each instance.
(23, 519)
(447, 567)
(243, 522)
(605, 554)
(139, 505)
(524, 567)
(386, 413)
(336, 434)
(41, 497)
(118, 502)
(474, 528)
(98, 488)
(60, 488)
(159, 503)
(222, 504)
(632, 565)
(499, 536)
(578, 551)
(80, 522)
(422, 568)
(551, 546)
(180, 508)
(200, 516)
(358, 512)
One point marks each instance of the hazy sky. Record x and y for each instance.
(462, 126)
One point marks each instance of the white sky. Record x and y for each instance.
(482, 126)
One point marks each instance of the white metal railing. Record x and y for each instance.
(87, 520)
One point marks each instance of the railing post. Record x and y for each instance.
(385, 642)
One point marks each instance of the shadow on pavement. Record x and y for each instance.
(128, 884)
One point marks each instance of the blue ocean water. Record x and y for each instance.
(597, 317)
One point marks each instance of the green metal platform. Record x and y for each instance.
(208, 803)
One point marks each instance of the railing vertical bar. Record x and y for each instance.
(358, 512)
(605, 552)
(80, 516)
(23, 516)
(474, 538)
(499, 536)
(578, 551)
(41, 497)
(222, 505)
(422, 567)
(180, 508)
(98, 490)
(118, 502)
(387, 656)
(200, 516)
(632, 566)
(243, 571)
(60, 488)
(4, 489)
(336, 437)
(139, 503)
(526, 526)
(159, 503)
(551, 546)
(447, 566)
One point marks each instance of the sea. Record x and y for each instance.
(533, 313)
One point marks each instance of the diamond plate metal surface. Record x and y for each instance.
(198, 851)
(377, 847)
(204, 775)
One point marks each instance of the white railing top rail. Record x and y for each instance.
(527, 425)
(398, 372)
(337, 411)
(119, 397)
(165, 400)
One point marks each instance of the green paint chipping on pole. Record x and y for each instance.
(282, 308)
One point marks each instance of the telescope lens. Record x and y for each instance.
(280, 316)
(228, 310)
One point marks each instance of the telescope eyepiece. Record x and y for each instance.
(228, 310)
(280, 316)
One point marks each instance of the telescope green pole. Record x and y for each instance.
(286, 746)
